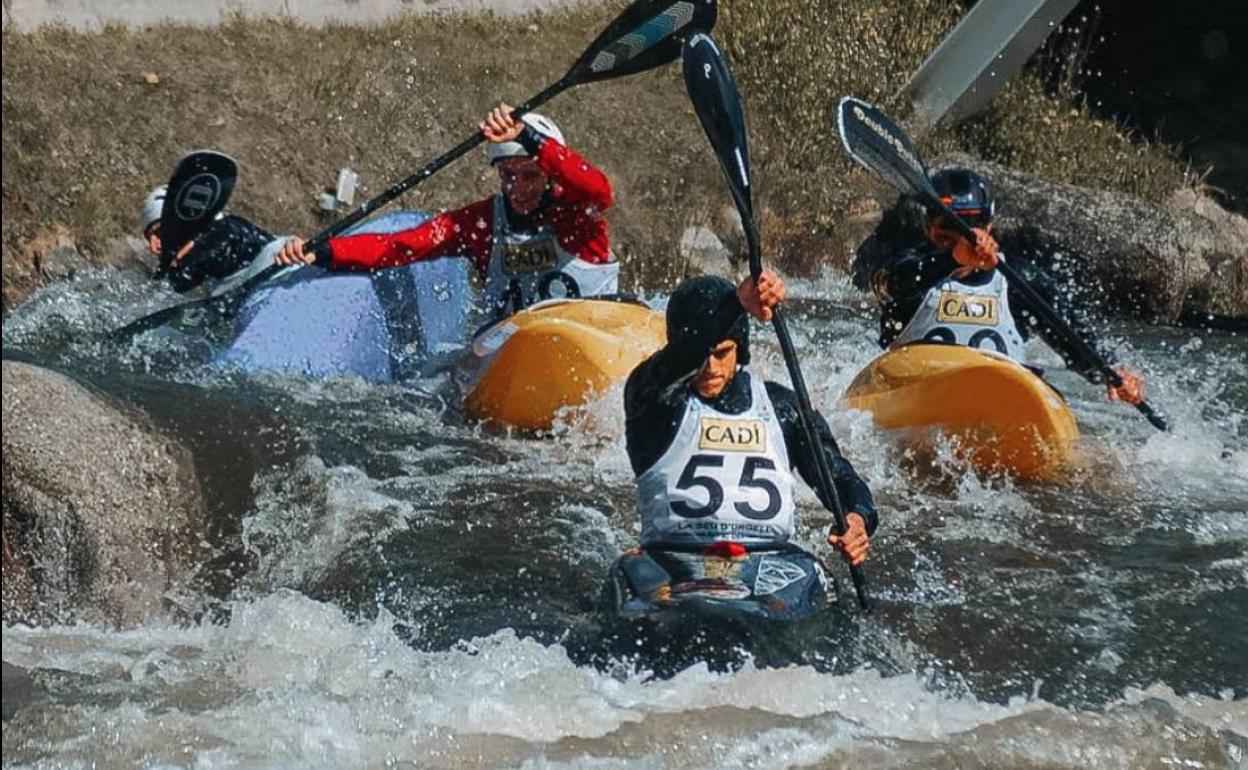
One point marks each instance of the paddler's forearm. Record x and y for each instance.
(567, 168)
(224, 247)
(457, 232)
(853, 492)
(910, 276)
(1044, 285)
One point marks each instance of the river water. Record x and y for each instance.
(394, 586)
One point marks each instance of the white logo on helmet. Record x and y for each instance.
(198, 197)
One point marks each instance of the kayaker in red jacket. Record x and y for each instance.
(544, 235)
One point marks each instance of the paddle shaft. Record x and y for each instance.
(410, 181)
(805, 415)
(1049, 316)
(805, 410)
(717, 103)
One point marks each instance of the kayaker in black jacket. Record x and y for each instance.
(948, 291)
(714, 447)
(225, 246)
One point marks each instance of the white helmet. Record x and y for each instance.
(539, 123)
(152, 207)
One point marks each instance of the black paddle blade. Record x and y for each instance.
(647, 34)
(200, 187)
(718, 103)
(871, 138)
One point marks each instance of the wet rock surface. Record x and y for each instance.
(1152, 261)
(102, 511)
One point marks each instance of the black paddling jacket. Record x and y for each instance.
(902, 284)
(225, 246)
(900, 274)
(659, 389)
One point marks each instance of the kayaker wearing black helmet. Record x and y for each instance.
(714, 448)
(948, 290)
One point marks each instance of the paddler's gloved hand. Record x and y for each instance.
(854, 544)
(291, 253)
(981, 255)
(760, 297)
(1132, 388)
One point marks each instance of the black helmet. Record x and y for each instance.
(966, 194)
(692, 309)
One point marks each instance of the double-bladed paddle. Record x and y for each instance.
(880, 145)
(647, 34)
(198, 190)
(718, 104)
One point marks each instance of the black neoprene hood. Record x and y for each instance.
(694, 312)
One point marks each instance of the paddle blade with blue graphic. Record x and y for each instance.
(645, 35)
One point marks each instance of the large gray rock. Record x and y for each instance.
(102, 512)
(703, 253)
(1159, 262)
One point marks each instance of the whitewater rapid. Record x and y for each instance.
(416, 588)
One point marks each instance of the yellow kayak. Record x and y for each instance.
(554, 354)
(1001, 415)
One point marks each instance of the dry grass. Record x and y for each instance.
(795, 59)
(90, 122)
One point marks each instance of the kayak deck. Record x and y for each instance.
(557, 354)
(1001, 416)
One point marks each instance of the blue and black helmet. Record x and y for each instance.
(966, 194)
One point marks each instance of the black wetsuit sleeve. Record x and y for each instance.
(1047, 288)
(899, 227)
(224, 247)
(854, 493)
(653, 405)
(901, 285)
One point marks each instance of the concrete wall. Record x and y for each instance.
(92, 14)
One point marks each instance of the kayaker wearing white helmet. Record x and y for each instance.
(948, 291)
(544, 235)
(226, 245)
(150, 219)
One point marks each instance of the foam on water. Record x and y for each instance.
(289, 681)
(289, 678)
(93, 301)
